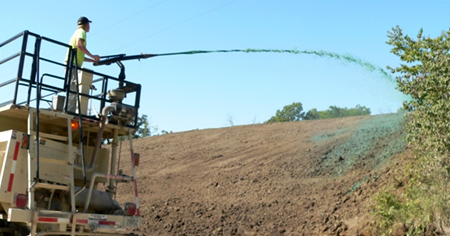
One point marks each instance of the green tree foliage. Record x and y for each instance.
(425, 76)
(312, 114)
(143, 127)
(336, 112)
(293, 112)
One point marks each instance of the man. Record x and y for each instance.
(78, 41)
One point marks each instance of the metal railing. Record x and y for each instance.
(36, 89)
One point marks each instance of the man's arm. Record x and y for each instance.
(81, 47)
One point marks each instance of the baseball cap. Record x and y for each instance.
(83, 20)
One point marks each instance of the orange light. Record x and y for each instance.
(74, 124)
(25, 138)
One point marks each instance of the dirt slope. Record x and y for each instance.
(297, 178)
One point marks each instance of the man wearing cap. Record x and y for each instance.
(78, 41)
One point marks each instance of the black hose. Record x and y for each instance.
(80, 123)
(38, 101)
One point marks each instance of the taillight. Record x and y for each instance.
(25, 142)
(21, 200)
(137, 156)
(130, 209)
(74, 124)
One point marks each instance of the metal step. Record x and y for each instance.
(52, 186)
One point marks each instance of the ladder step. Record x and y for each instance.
(51, 136)
(52, 186)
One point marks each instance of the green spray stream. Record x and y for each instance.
(346, 58)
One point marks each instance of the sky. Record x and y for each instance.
(203, 91)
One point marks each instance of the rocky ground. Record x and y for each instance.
(296, 178)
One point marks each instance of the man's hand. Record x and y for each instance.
(96, 58)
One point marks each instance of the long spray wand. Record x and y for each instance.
(346, 58)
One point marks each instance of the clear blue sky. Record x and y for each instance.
(207, 90)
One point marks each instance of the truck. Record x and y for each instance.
(60, 167)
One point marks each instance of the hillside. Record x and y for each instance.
(296, 178)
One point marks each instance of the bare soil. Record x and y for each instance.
(296, 178)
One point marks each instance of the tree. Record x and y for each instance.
(230, 121)
(294, 112)
(312, 114)
(143, 127)
(425, 76)
(359, 111)
(336, 112)
(291, 112)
